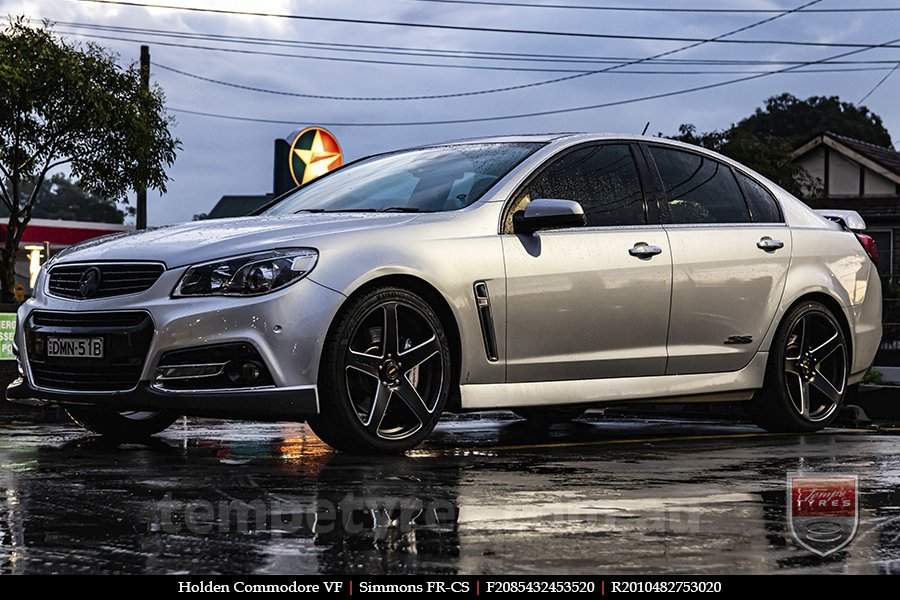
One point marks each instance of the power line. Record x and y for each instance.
(252, 88)
(878, 85)
(557, 111)
(480, 29)
(574, 76)
(414, 51)
(325, 58)
(658, 9)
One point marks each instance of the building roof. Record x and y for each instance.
(884, 161)
(886, 157)
(64, 233)
(238, 206)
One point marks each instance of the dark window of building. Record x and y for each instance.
(884, 242)
(699, 189)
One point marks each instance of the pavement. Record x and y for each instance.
(486, 494)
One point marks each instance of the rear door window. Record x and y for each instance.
(698, 188)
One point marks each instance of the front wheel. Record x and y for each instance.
(806, 378)
(385, 374)
(124, 426)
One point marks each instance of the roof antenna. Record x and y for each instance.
(646, 127)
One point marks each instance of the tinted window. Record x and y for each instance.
(763, 207)
(426, 179)
(698, 189)
(603, 179)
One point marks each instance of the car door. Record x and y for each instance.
(730, 255)
(588, 302)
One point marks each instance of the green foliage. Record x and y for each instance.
(72, 104)
(60, 198)
(801, 120)
(873, 377)
(766, 140)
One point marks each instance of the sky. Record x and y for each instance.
(222, 156)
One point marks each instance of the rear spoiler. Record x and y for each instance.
(849, 219)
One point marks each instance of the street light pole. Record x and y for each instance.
(141, 216)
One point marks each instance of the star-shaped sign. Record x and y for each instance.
(318, 152)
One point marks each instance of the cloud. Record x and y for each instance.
(225, 157)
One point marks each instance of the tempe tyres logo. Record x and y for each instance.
(314, 152)
(823, 510)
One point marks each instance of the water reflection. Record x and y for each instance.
(479, 498)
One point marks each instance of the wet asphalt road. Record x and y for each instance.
(482, 496)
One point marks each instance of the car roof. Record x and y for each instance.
(551, 137)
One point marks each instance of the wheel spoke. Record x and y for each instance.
(790, 366)
(408, 394)
(827, 388)
(390, 342)
(379, 407)
(414, 357)
(800, 333)
(364, 363)
(827, 348)
(804, 398)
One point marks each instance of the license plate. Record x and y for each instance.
(75, 347)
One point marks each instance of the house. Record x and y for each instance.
(859, 176)
(238, 206)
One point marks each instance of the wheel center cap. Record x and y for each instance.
(806, 367)
(390, 370)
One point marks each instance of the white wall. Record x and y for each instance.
(843, 175)
(876, 185)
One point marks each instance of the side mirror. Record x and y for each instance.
(546, 213)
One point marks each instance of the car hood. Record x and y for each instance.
(201, 241)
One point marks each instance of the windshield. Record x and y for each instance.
(424, 180)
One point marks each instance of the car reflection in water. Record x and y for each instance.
(481, 497)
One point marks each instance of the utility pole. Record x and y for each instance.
(141, 216)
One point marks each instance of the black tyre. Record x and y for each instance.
(124, 426)
(385, 374)
(806, 378)
(548, 415)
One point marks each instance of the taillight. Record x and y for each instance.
(869, 246)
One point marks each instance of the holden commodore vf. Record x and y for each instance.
(541, 274)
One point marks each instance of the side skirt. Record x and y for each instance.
(733, 385)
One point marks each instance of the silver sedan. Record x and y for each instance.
(539, 274)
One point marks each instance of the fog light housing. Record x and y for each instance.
(244, 372)
(216, 367)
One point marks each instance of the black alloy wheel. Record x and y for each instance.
(385, 374)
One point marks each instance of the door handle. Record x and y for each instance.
(769, 245)
(643, 250)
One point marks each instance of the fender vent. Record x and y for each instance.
(483, 303)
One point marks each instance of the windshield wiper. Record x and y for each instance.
(342, 210)
(403, 209)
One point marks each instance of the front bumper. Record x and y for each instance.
(286, 328)
(259, 404)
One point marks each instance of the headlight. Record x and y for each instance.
(248, 275)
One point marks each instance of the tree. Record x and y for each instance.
(72, 104)
(766, 140)
(801, 120)
(60, 198)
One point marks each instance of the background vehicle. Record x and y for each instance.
(540, 274)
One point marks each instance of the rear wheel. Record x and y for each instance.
(548, 415)
(385, 374)
(806, 378)
(125, 426)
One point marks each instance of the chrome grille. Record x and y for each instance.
(116, 279)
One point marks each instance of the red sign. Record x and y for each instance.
(823, 510)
